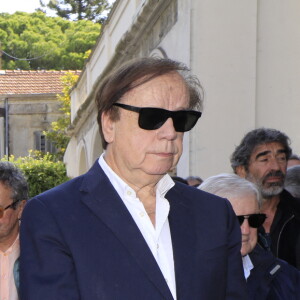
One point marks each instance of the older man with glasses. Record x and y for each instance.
(13, 195)
(125, 229)
(268, 278)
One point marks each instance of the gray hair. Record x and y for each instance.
(292, 181)
(230, 185)
(254, 138)
(13, 178)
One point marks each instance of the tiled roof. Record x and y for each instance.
(31, 82)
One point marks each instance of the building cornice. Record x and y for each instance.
(128, 47)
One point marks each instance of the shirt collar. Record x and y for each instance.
(163, 186)
(247, 265)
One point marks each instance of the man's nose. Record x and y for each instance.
(167, 130)
(245, 227)
(274, 164)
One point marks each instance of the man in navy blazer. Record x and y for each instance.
(125, 230)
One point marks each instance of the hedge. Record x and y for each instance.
(42, 171)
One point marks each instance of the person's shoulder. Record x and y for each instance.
(286, 276)
(274, 266)
(62, 188)
(288, 202)
(288, 268)
(274, 277)
(195, 196)
(69, 189)
(190, 190)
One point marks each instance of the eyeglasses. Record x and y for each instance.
(13, 205)
(254, 220)
(151, 118)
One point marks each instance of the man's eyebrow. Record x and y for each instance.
(262, 154)
(280, 151)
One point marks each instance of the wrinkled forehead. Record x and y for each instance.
(244, 203)
(163, 89)
(267, 148)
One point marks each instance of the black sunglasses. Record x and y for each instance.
(254, 220)
(151, 118)
(13, 206)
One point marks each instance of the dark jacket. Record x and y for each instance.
(272, 278)
(78, 241)
(284, 238)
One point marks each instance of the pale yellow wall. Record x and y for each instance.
(246, 55)
(224, 58)
(278, 68)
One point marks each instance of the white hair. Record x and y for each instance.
(230, 185)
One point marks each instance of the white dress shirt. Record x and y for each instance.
(247, 265)
(158, 238)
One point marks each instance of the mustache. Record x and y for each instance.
(277, 173)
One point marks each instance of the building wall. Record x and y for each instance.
(278, 68)
(28, 114)
(245, 53)
(248, 59)
(224, 57)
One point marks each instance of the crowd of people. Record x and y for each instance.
(264, 158)
(267, 276)
(128, 230)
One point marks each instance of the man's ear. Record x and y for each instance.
(108, 127)
(20, 208)
(241, 171)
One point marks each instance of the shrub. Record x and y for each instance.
(42, 171)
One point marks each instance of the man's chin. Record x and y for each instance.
(271, 191)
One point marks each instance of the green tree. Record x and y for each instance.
(43, 172)
(58, 131)
(78, 9)
(35, 41)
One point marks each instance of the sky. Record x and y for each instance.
(11, 6)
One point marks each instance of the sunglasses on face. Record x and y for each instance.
(254, 220)
(2, 209)
(151, 118)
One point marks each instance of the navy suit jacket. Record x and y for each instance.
(78, 241)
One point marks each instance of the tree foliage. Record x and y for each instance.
(78, 9)
(42, 171)
(58, 131)
(41, 42)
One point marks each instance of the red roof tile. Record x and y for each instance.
(31, 82)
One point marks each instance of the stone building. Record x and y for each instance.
(245, 53)
(28, 105)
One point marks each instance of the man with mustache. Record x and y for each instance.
(262, 158)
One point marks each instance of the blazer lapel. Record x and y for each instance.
(102, 199)
(183, 240)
